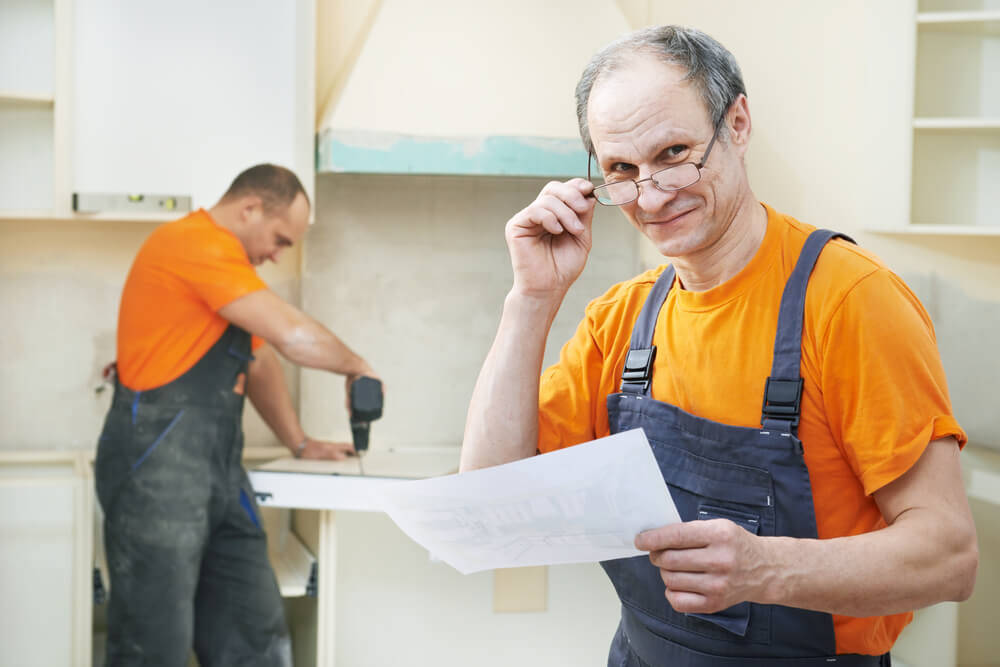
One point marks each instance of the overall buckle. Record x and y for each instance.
(638, 370)
(782, 399)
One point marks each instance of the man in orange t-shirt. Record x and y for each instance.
(197, 331)
(788, 382)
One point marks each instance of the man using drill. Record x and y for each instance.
(197, 332)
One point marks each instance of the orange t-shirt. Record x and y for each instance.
(874, 395)
(184, 273)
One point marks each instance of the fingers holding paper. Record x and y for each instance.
(707, 566)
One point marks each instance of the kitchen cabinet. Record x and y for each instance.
(45, 546)
(34, 106)
(53, 575)
(310, 493)
(113, 97)
(180, 97)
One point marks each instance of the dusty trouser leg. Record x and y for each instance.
(151, 610)
(240, 615)
(154, 535)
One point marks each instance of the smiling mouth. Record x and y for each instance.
(672, 219)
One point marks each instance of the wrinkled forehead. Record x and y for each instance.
(641, 95)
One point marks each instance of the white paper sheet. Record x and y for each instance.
(580, 504)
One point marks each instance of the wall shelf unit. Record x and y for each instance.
(956, 120)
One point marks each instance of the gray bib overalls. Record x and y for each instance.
(186, 552)
(755, 477)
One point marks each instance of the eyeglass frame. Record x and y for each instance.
(638, 192)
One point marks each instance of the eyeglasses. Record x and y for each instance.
(674, 177)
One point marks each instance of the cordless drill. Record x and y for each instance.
(366, 407)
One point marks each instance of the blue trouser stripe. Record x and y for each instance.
(248, 506)
(156, 442)
(135, 406)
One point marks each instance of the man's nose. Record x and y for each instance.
(652, 198)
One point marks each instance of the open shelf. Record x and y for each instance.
(15, 98)
(954, 181)
(979, 22)
(957, 124)
(294, 567)
(921, 229)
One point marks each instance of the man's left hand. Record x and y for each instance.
(708, 565)
(320, 449)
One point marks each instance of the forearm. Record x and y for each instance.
(502, 422)
(309, 343)
(269, 395)
(919, 560)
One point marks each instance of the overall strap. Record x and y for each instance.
(637, 376)
(783, 389)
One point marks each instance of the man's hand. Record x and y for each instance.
(707, 566)
(550, 239)
(320, 449)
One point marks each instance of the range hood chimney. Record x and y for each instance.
(467, 87)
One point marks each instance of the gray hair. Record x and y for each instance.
(709, 66)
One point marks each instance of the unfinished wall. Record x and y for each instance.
(411, 272)
(60, 284)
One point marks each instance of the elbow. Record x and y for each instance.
(965, 574)
(965, 565)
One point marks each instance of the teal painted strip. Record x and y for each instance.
(385, 153)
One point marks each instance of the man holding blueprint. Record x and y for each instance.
(788, 383)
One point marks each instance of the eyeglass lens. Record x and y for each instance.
(671, 178)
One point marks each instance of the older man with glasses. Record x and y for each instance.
(788, 382)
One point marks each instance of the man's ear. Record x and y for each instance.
(738, 123)
(251, 208)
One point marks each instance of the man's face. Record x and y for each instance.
(644, 118)
(270, 232)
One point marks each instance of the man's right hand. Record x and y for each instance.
(550, 239)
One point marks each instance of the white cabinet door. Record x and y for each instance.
(178, 97)
(38, 552)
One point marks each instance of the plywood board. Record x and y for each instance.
(399, 463)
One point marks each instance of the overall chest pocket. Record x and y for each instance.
(705, 489)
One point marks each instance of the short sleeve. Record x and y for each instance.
(883, 383)
(569, 391)
(217, 270)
